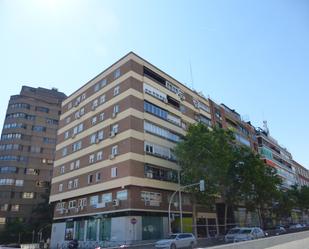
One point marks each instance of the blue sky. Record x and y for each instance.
(251, 55)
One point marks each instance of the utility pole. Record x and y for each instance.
(201, 184)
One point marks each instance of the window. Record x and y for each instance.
(98, 177)
(116, 90)
(75, 183)
(42, 109)
(47, 140)
(66, 135)
(7, 181)
(64, 151)
(72, 166)
(94, 104)
(15, 207)
(83, 96)
(96, 87)
(94, 120)
(155, 110)
(100, 135)
(103, 83)
(60, 187)
(72, 204)
(36, 149)
(94, 200)
(115, 150)
(4, 207)
(99, 155)
(107, 197)
(62, 169)
(122, 195)
(115, 128)
(114, 172)
(70, 184)
(116, 109)
(82, 202)
(117, 73)
(77, 163)
(93, 138)
(158, 150)
(28, 195)
(68, 120)
(91, 158)
(155, 92)
(102, 99)
(101, 116)
(152, 128)
(30, 171)
(77, 115)
(90, 179)
(19, 183)
(77, 146)
(38, 128)
(82, 111)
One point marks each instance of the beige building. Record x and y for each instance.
(115, 169)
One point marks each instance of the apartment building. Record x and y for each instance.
(27, 150)
(275, 155)
(115, 170)
(224, 117)
(302, 174)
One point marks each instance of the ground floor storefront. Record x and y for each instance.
(109, 231)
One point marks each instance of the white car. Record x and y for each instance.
(244, 233)
(177, 240)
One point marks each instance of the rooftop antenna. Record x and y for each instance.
(191, 75)
(265, 127)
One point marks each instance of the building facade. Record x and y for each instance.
(224, 117)
(27, 149)
(302, 174)
(115, 170)
(276, 156)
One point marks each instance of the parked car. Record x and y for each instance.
(295, 226)
(244, 233)
(280, 230)
(177, 240)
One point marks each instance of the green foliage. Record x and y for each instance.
(233, 173)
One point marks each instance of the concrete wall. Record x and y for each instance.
(287, 241)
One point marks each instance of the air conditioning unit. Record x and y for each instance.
(97, 140)
(78, 117)
(73, 135)
(111, 156)
(93, 107)
(115, 202)
(114, 114)
(76, 103)
(112, 134)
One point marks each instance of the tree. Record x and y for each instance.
(209, 155)
(233, 173)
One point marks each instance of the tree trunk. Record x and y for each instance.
(194, 228)
(260, 218)
(225, 217)
(246, 217)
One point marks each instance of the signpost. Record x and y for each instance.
(133, 222)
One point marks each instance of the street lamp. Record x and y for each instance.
(201, 185)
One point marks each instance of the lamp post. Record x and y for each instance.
(201, 183)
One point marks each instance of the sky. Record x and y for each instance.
(251, 55)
